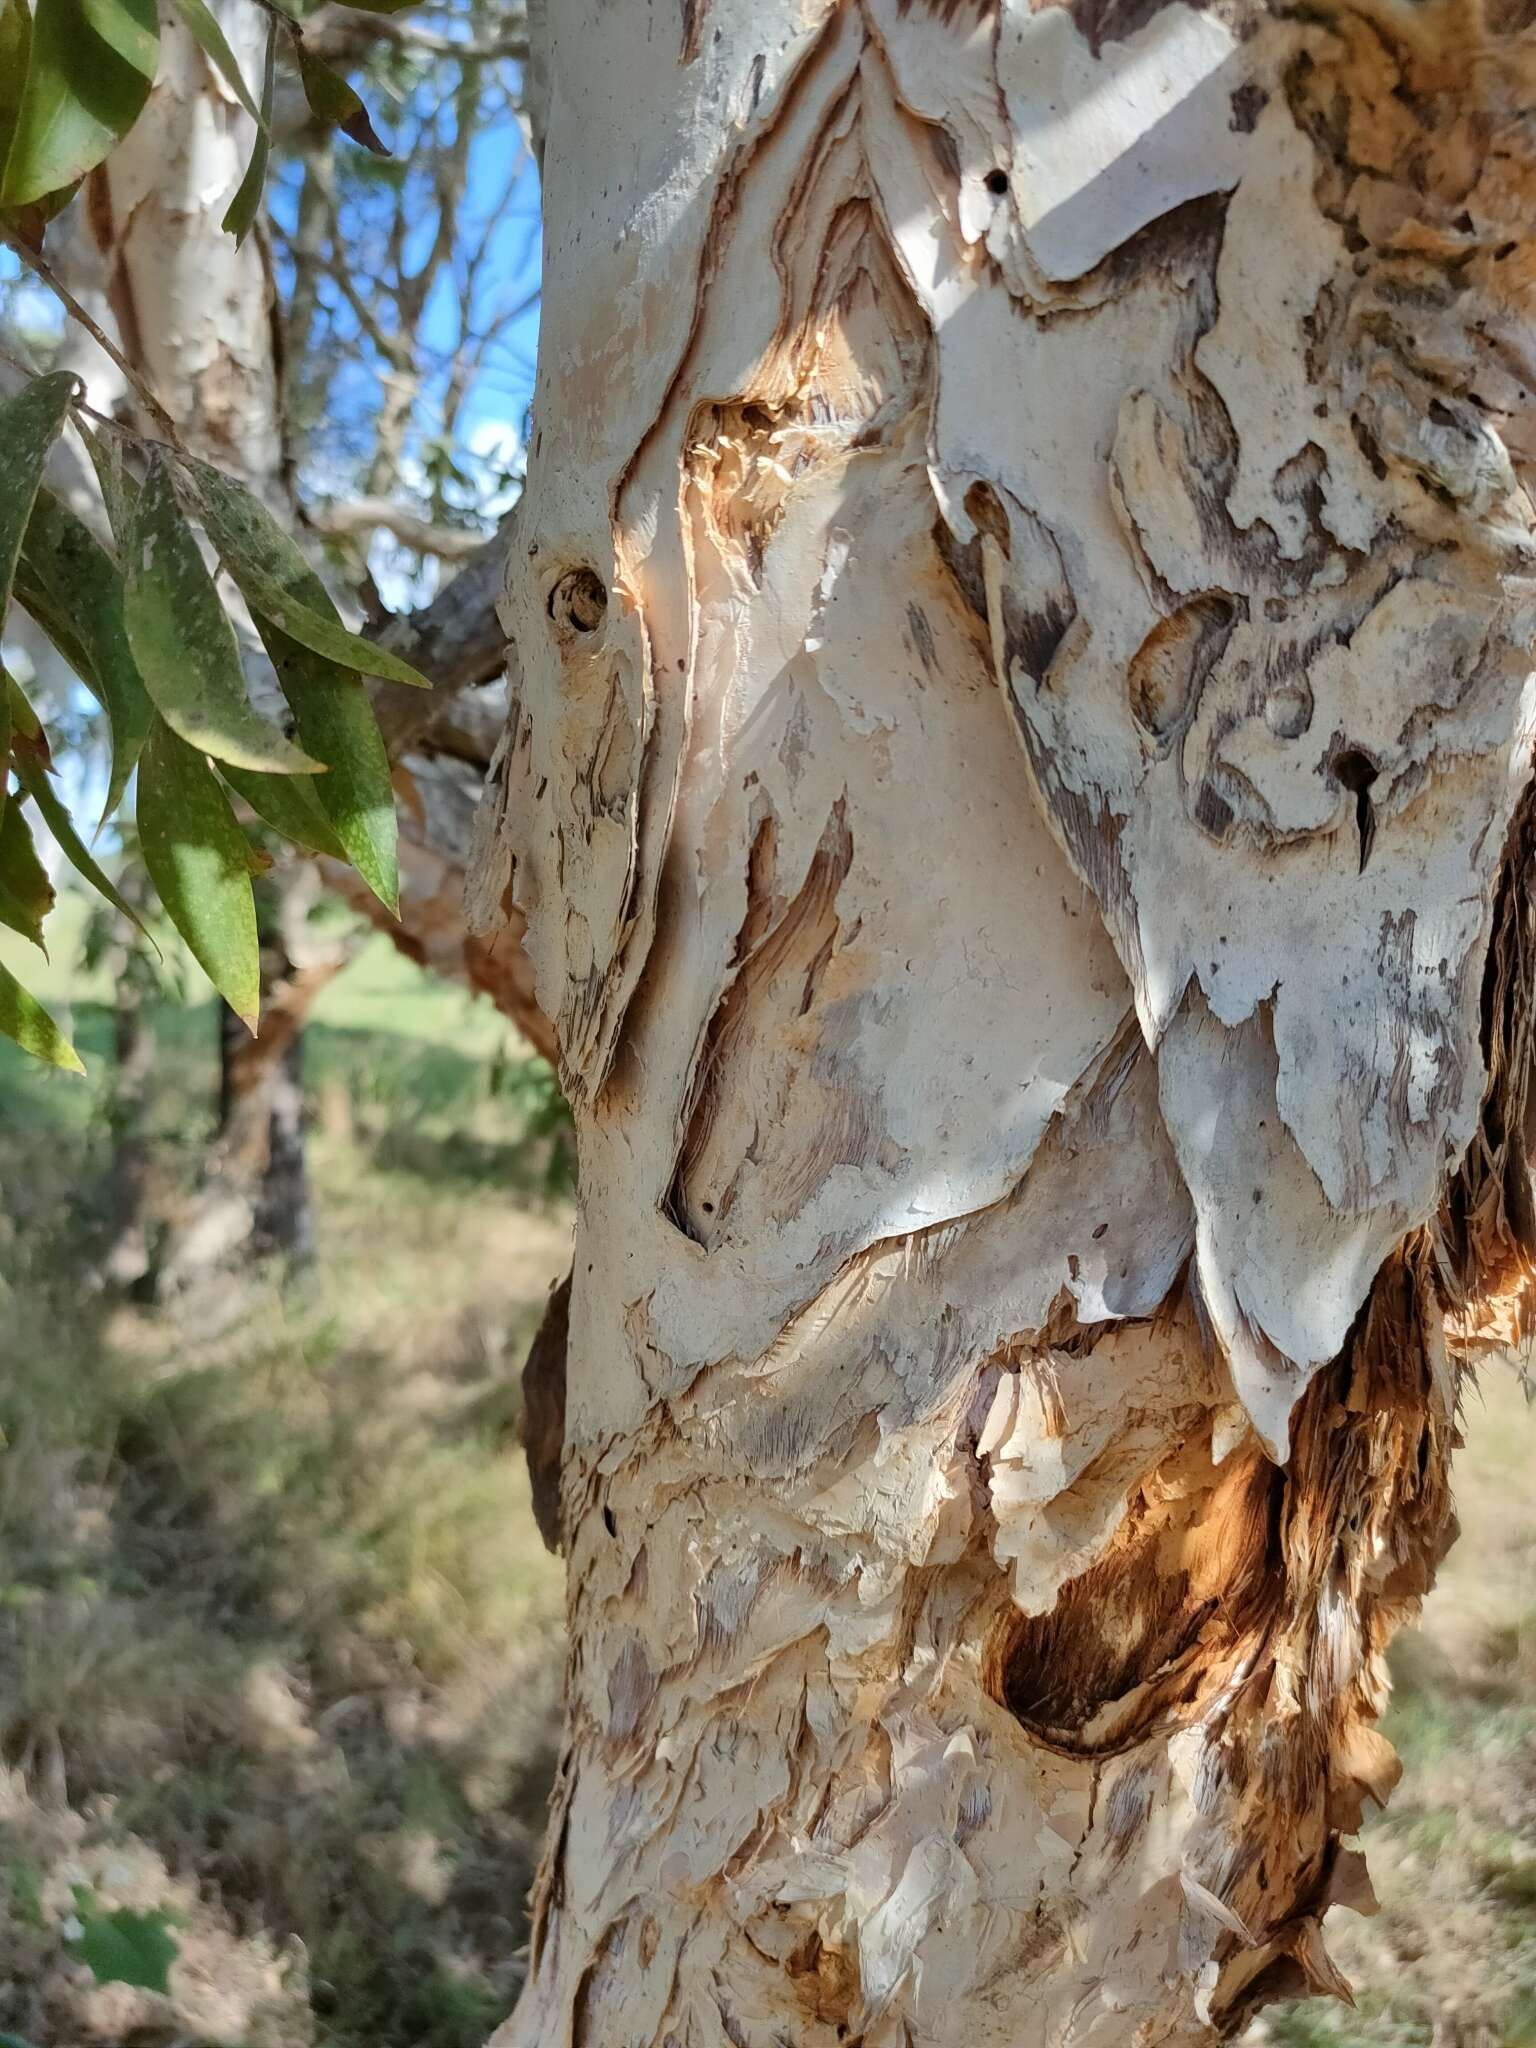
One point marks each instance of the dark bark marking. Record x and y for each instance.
(541, 1426)
(1168, 670)
(782, 951)
(694, 13)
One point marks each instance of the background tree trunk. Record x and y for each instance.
(128, 1261)
(1019, 791)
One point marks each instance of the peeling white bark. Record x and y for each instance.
(1024, 741)
(193, 310)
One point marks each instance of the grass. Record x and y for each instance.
(279, 1646)
(279, 1643)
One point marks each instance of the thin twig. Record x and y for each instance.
(45, 274)
(365, 515)
(102, 419)
(15, 363)
(331, 30)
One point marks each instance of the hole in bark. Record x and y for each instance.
(986, 510)
(1356, 771)
(997, 182)
(1151, 1627)
(579, 601)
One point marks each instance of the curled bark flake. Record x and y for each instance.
(1171, 664)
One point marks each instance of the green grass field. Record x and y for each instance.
(280, 1648)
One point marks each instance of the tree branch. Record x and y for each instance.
(46, 275)
(367, 515)
(457, 641)
(338, 32)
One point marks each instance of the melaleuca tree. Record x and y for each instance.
(1019, 791)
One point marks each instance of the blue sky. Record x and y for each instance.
(499, 218)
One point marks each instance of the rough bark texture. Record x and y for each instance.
(1023, 745)
(441, 742)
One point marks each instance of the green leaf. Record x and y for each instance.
(290, 805)
(242, 208)
(30, 423)
(89, 71)
(127, 1948)
(332, 100)
(24, 1020)
(119, 492)
(214, 44)
(36, 596)
(26, 894)
(335, 720)
(15, 47)
(279, 584)
(32, 774)
(21, 727)
(72, 587)
(183, 644)
(198, 860)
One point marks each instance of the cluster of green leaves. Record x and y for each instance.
(75, 74)
(143, 625)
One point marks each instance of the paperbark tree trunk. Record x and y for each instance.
(1020, 791)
